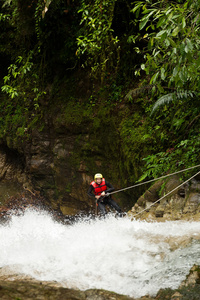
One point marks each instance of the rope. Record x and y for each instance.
(167, 194)
(145, 182)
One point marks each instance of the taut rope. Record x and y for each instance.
(145, 182)
(167, 194)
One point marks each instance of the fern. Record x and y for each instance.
(138, 91)
(175, 96)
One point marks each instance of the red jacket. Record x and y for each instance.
(99, 188)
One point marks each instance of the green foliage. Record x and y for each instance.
(20, 105)
(14, 82)
(173, 43)
(4, 17)
(39, 40)
(184, 154)
(97, 41)
(137, 141)
(39, 13)
(169, 34)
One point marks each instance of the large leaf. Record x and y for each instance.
(172, 97)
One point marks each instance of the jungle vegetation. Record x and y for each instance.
(143, 62)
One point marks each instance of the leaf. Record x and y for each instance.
(175, 71)
(143, 23)
(7, 2)
(156, 53)
(186, 49)
(189, 44)
(183, 22)
(175, 31)
(145, 175)
(183, 74)
(166, 99)
(167, 42)
(154, 78)
(169, 10)
(151, 42)
(160, 33)
(162, 71)
(173, 44)
(136, 7)
(163, 101)
(160, 22)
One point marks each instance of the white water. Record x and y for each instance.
(120, 255)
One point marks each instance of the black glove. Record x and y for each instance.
(100, 199)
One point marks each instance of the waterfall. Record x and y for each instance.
(133, 258)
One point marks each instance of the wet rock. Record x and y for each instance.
(192, 204)
(195, 184)
(104, 295)
(181, 192)
(170, 184)
(24, 291)
(11, 166)
(40, 165)
(193, 277)
(151, 195)
(159, 212)
(176, 296)
(44, 291)
(141, 201)
(28, 199)
(48, 162)
(180, 202)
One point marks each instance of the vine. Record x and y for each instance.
(98, 45)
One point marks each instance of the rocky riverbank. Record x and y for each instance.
(25, 290)
(182, 202)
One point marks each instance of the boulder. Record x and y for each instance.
(180, 202)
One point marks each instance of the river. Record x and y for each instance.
(133, 258)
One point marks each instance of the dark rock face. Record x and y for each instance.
(60, 159)
(50, 165)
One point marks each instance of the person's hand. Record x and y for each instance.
(97, 197)
(103, 194)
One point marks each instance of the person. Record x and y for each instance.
(100, 190)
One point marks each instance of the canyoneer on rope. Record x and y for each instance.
(100, 190)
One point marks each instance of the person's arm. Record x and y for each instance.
(110, 188)
(90, 192)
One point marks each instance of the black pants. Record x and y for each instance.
(108, 201)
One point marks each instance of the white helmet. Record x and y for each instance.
(98, 175)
